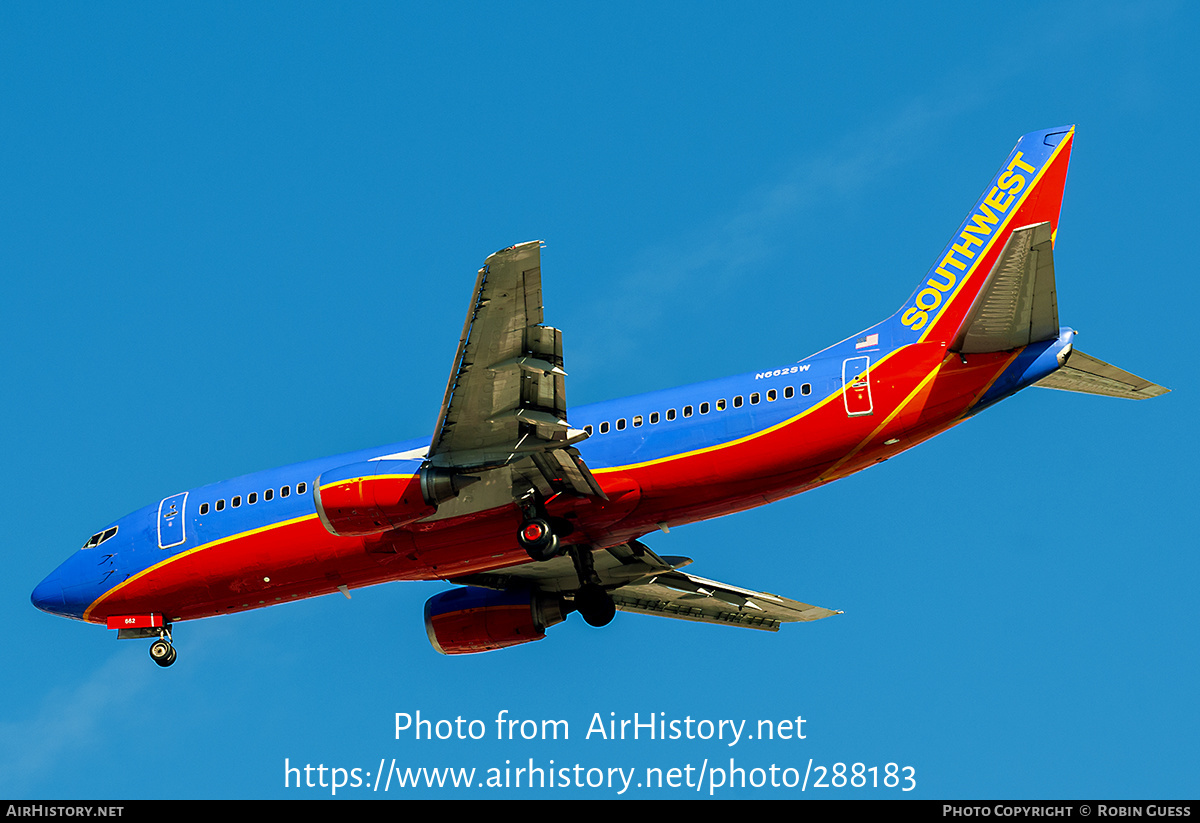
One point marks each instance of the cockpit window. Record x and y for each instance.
(99, 537)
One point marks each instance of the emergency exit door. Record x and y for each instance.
(856, 386)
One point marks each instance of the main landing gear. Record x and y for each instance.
(540, 540)
(161, 650)
(595, 605)
(539, 533)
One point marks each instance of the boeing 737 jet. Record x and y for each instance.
(536, 510)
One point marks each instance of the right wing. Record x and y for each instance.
(503, 418)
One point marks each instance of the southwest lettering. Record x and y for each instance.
(933, 293)
(1010, 179)
(915, 319)
(985, 216)
(965, 250)
(950, 279)
(952, 260)
(970, 239)
(1017, 161)
(979, 225)
(1000, 205)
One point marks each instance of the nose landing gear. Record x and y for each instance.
(161, 650)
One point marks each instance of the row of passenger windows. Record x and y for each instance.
(704, 408)
(252, 497)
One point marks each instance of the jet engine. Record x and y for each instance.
(470, 619)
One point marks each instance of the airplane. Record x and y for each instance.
(533, 517)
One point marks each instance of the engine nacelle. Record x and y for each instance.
(470, 619)
(371, 497)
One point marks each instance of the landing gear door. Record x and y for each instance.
(856, 386)
(171, 521)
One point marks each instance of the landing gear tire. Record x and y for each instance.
(595, 605)
(537, 539)
(162, 653)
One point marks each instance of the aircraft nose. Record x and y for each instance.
(48, 596)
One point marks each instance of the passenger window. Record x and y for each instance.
(721, 404)
(687, 411)
(653, 418)
(637, 420)
(301, 488)
(587, 428)
(806, 389)
(771, 395)
(220, 504)
(285, 491)
(621, 424)
(704, 407)
(268, 494)
(737, 402)
(204, 508)
(236, 501)
(670, 414)
(754, 398)
(604, 427)
(789, 392)
(252, 498)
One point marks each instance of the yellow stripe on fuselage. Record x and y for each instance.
(183, 554)
(746, 438)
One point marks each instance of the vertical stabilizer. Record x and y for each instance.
(1027, 190)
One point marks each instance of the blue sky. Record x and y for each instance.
(237, 238)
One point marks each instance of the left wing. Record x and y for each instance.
(642, 582)
(504, 414)
(682, 596)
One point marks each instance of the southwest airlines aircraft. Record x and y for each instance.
(535, 517)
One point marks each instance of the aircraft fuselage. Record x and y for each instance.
(779, 431)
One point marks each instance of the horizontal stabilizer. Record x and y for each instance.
(1087, 375)
(1017, 304)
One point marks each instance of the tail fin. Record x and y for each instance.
(1026, 191)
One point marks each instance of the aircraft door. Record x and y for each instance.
(856, 386)
(171, 530)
